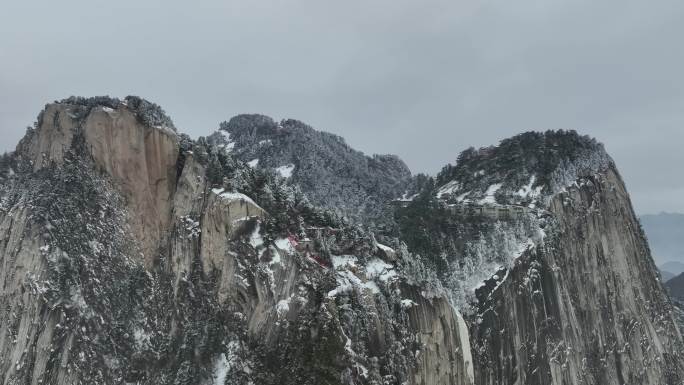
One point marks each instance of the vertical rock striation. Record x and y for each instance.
(587, 306)
(124, 261)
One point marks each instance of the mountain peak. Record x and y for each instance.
(524, 169)
(333, 174)
(148, 113)
(249, 123)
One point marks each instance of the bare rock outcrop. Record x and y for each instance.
(124, 262)
(133, 254)
(587, 306)
(141, 159)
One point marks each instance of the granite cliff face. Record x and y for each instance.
(133, 254)
(539, 247)
(586, 306)
(123, 263)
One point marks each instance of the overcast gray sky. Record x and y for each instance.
(422, 79)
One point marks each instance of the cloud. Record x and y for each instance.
(420, 79)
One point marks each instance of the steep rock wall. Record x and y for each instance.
(119, 267)
(586, 306)
(443, 334)
(142, 161)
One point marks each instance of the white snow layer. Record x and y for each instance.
(283, 307)
(377, 268)
(225, 363)
(489, 194)
(406, 198)
(407, 303)
(448, 188)
(483, 258)
(253, 163)
(343, 261)
(529, 192)
(233, 196)
(221, 371)
(385, 248)
(285, 171)
(229, 146)
(347, 280)
(255, 239)
(284, 244)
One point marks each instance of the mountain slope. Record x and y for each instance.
(570, 292)
(332, 174)
(133, 254)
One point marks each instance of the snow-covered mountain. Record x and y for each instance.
(332, 174)
(271, 253)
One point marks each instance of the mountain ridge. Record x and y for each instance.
(201, 267)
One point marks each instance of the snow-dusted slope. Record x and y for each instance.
(132, 254)
(331, 173)
(538, 245)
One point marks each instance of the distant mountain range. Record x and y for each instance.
(665, 232)
(669, 270)
(676, 287)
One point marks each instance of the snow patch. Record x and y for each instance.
(448, 188)
(284, 244)
(489, 194)
(225, 363)
(233, 196)
(222, 366)
(283, 307)
(285, 171)
(347, 267)
(343, 261)
(377, 268)
(407, 303)
(226, 135)
(255, 239)
(253, 163)
(527, 191)
(385, 248)
(346, 281)
(228, 146)
(496, 250)
(498, 284)
(406, 198)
